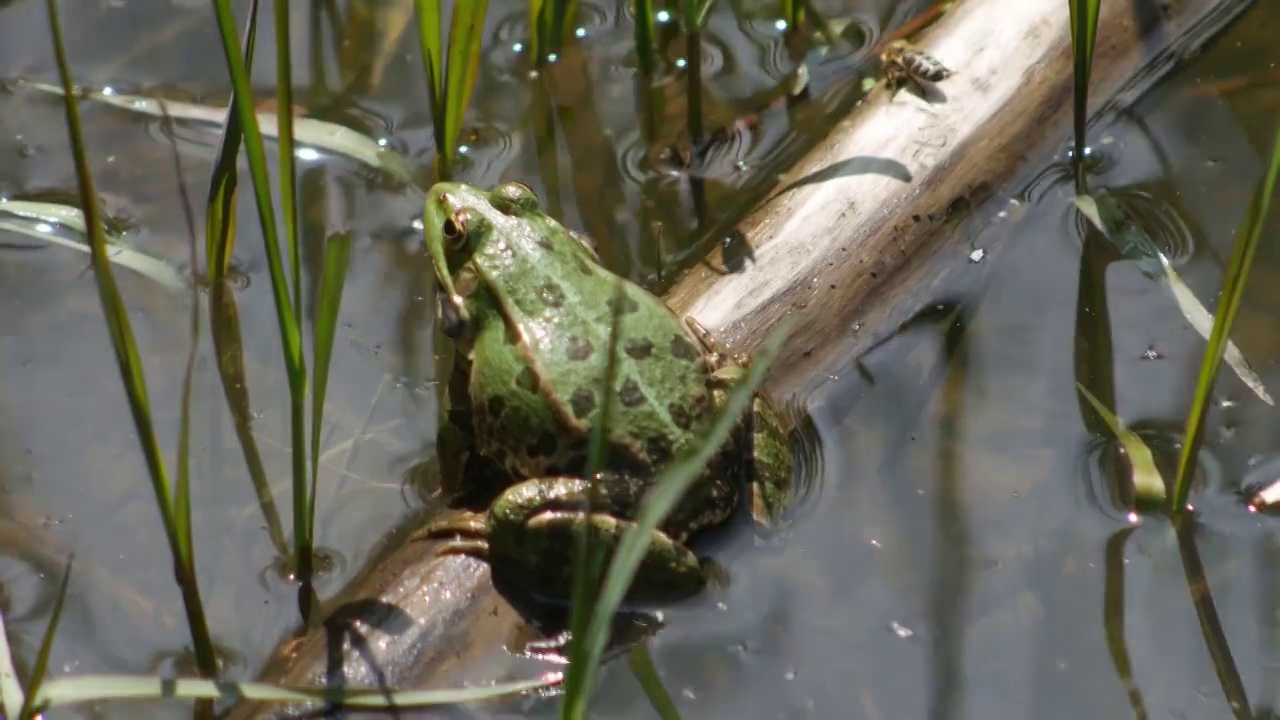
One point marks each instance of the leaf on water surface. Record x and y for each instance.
(1149, 486)
(84, 688)
(306, 131)
(1105, 214)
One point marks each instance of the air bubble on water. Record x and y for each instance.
(901, 630)
(976, 256)
(689, 693)
(517, 47)
(1133, 518)
(780, 25)
(1226, 403)
(789, 675)
(580, 32)
(663, 16)
(681, 62)
(1151, 353)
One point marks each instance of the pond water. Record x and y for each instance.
(962, 555)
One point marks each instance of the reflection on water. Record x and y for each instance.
(964, 548)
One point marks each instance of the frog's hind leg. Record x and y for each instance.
(536, 524)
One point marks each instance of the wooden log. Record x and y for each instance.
(831, 241)
(832, 246)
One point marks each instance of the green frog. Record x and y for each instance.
(530, 308)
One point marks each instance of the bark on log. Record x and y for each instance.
(832, 246)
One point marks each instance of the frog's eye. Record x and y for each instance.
(454, 230)
(514, 198)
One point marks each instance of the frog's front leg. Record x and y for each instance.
(531, 531)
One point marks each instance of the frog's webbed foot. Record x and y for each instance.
(470, 533)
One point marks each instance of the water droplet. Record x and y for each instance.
(517, 47)
(789, 675)
(976, 256)
(680, 62)
(580, 32)
(663, 16)
(689, 694)
(780, 24)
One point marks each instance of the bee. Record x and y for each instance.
(905, 64)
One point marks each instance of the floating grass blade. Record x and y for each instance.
(588, 556)
(337, 253)
(670, 487)
(1246, 244)
(1084, 30)
(35, 213)
(1109, 217)
(286, 319)
(449, 85)
(36, 681)
(84, 688)
(1149, 486)
(130, 365)
(309, 131)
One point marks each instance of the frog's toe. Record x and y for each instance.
(466, 525)
(475, 548)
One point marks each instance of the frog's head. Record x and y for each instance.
(457, 219)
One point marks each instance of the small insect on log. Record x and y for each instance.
(906, 64)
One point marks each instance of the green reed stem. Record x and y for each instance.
(1084, 30)
(176, 526)
(286, 319)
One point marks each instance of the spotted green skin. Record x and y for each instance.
(529, 304)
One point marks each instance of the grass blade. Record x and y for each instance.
(1242, 253)
(36, 681)
(670, 487)
(286, 319)
(1084, 29)
(220, 208)
(465, 38)
(336, 255)
(1148, 485)
(429, 34)
(588, 556)
(646, 38)
(284, 147)
(130, 365)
